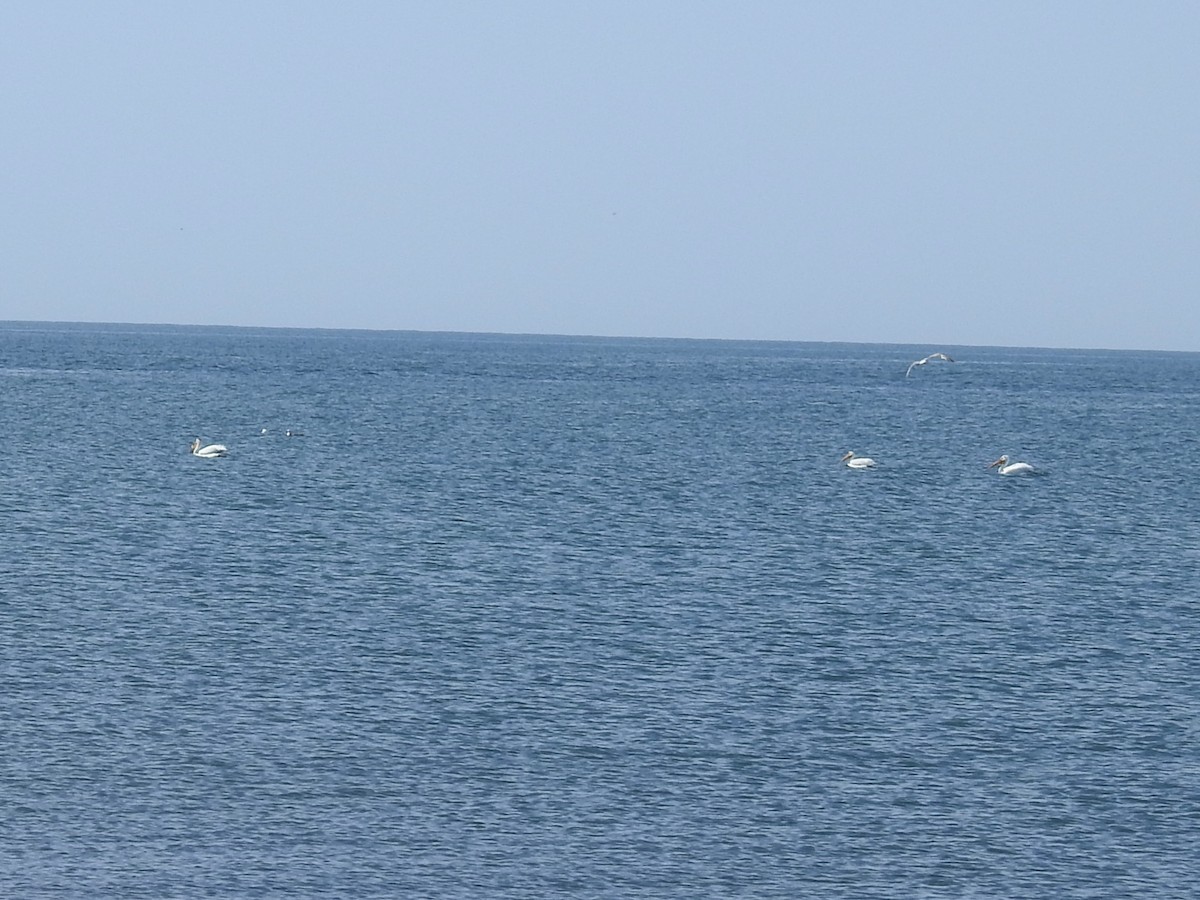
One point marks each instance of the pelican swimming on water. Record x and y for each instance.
(921, 362)
(1004, 467)
(209, 452)
(857, 462)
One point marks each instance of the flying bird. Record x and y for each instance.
(921, 362)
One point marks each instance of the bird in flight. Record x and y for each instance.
(921, 362)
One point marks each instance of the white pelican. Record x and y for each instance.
(921, 362)
(209, 452)
(857, 462)
(1004, 467)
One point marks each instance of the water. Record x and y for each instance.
(522, 616)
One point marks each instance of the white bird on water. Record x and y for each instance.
(209, 452)
(1004, 467)
(921, 362)
(857, 462)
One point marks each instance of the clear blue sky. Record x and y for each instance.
(1011, 173)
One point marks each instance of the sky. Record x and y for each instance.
(940, 173)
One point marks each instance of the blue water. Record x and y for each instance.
(525, 616)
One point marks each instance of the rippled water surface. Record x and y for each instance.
(518, 617)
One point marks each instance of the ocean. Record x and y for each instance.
(519, 616)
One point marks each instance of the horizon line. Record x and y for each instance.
(577, 336)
